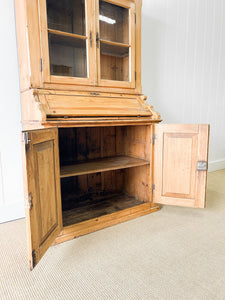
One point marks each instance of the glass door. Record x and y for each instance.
(116, 43)
(66, 38)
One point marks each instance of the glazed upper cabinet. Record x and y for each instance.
(80, 43)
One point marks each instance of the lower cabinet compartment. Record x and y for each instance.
(90, 196)
(105, 176)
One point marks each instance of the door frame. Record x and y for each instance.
(52, 79)
(132, 49)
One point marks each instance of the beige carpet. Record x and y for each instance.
(176, 253)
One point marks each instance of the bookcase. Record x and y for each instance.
(94, 153)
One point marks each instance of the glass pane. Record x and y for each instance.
(67, 56)
(114, 22)
(114, 62)
(67, 15)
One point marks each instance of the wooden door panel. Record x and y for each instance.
(178, 148)
(43, 214)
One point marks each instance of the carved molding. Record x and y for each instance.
(155, 115)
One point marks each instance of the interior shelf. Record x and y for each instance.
(67, 34)
(98, 205)
(115, 43)
(101, 165)
(114, 49)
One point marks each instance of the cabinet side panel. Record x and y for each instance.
(22, 42)
(136, 141)
(34, 42)
(137, 182)
(138, 46)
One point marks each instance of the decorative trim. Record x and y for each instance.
(216, 165)
(155, 115)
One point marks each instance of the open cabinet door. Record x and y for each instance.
(180, 164)
(42, 191)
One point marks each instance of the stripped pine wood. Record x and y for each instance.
(177, 179)
(115, 43)
(92, 105)
(71, 106)
(76, 230)
(82, 75)
(97, 206)
(73, 35)
(44, 218)
(101, 165)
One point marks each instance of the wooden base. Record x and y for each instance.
(82, 228)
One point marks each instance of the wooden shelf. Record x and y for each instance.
(102, 165)
(96, 206)
(114, 49)
(71, 35)
(115, 43)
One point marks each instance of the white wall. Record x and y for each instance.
(183, 73)
(183, 65)
(11, 188)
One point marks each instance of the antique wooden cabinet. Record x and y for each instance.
(94, 154)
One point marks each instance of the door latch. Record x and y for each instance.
(97, 39)
(202, 166)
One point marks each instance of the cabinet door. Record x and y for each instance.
(66, 41)
(180, 164)
(42, 191)
(116, 43)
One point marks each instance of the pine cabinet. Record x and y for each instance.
(94, 153)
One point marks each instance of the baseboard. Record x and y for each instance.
(216, 165)
(11, 212)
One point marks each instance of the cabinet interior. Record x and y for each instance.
(103, 170)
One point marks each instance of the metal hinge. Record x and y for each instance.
(153, 138)
(41, 64)
(153, 188)
(202, 165)
(29, 201)
(97, 39)
(135, 18)
(34, 258)
(94, 94)
(135, 75)
(90, 38)
(26, 138)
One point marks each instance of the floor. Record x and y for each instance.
(176, 253)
